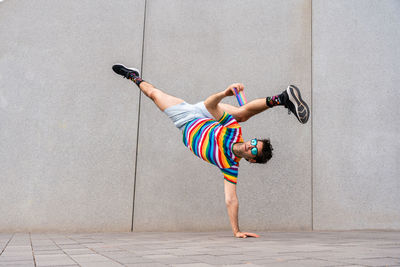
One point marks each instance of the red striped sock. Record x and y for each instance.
(136, 79)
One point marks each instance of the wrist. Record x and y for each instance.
(224, 93)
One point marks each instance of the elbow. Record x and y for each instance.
(231, 201)
(207, 103)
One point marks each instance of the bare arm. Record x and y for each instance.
(232, 205)
(212, 101)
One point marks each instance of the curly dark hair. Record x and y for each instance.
(266, 153)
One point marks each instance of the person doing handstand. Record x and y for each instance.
(212, 132)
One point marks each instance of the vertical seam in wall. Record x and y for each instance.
(312, 128)
(138, 120)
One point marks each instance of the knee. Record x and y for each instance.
(154, 94)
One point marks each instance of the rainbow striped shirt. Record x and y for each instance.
(213, 140)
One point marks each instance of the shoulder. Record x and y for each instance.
(228, 121)
(231, 174)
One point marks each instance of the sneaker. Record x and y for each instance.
(296, 105)
(127, 73)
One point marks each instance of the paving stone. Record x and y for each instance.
(296, 263)
(52, 260)
(219, 253)
(107, 249)
(240, 257)
(101, 264)
(243, 265)
(48, 252)
(132, 260)
(5, 258)
(171, 259)
(188, 252)
(213, 259)
(88, 258)
(55, 263)
(42, 243)
(118, 254)
(17, 253)
(47, 248)
(276, 258)
(195, 265)
(71, 246)
(374, 261)
(152, 264)
(344, 255)
(19, 264)
(78, 251)
(152, 257)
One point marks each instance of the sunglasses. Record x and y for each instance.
(254, 150)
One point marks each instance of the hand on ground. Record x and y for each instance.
(245, 235)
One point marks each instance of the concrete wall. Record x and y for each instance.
(356, 73)
(71, 128)
(197, 48)
(68, 128)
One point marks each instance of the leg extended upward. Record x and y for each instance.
(290, 98)
(160, 98)
(254, 107)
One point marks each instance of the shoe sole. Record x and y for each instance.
(301, 107)
(134, 69)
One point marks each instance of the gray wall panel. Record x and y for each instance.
(194, 49)
(356, 73)
(68, 124)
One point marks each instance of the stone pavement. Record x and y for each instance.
(350, 248)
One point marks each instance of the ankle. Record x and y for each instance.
(136, 79)
(277, 100)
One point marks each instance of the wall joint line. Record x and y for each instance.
(138, 120)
